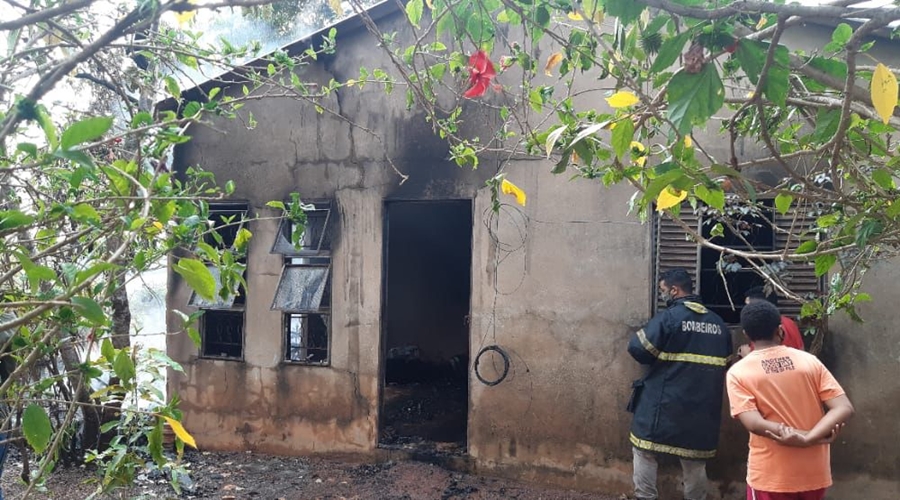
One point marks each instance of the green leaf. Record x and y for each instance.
(92, 271)
(867, 230)
(842, 34)
(85, 213)
(480, 28)
(192, 109)
(155, 443)
(46, 123)
(28, 148)
(751, 54)
(778, 81)
(542, 16)
(124, 366)
(229, 187)
(827, 121)
(884, 179)
(712, 197)
(414, 11)
(79, 157)
(242, 238)
(622, 136)
(84, 131)
(197, 277)
(90, 310)
(808, 246)
(172, 87)
(107, 350)
(11, 219)
(671, 175)
(694, 97)
(669, 52)
(141, 119)
(828, 220)
(824, 263)
(276, 204)
(36, 427)
(626, 10)
(437, 71)
(783, 203)
(536, 100)
(893, 211)
(194, 335)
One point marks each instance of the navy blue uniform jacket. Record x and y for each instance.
(677, 405)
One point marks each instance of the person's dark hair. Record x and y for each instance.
(760, 320)
(678, 277)
(759, 293)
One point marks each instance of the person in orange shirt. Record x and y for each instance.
(778, 394)
(792, 336)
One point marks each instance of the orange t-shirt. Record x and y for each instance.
(787, 386)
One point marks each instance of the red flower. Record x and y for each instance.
(481, 71)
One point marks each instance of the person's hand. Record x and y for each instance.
(830, 438)
(789, 436)
(744, 350)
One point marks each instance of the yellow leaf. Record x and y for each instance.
(669, 197)
(884, 92)
(638, 153)
(552, 62)
(430, 4)
(762, 22)
(575, 16)
(510, 188)
(622, 99)
(181, 432)
(337, 7)
(688, 142)
(185, 17)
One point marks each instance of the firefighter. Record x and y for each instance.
(677, 404)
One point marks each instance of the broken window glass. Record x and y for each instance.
(315, 238)
(303, 289)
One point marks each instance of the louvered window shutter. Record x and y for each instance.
(801, 275)
(675, 248)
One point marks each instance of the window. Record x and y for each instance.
(675, 248)
(304, 289)
(222, 323)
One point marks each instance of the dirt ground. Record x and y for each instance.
(232, 476)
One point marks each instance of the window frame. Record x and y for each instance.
(307, 258)
(237, 306)
(287, 346)
(682, 251)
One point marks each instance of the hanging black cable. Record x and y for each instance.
(503, 373)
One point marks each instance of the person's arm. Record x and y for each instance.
(646, 344)
(839, 412)
(754, 422)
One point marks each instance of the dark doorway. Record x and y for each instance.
(428, 258)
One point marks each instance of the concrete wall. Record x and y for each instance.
(573, 280)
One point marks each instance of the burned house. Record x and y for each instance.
(415, 317)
